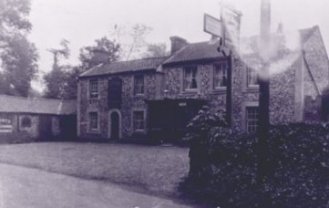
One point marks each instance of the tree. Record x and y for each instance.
(14, 16)
(19, 62)
(56, 79)
(156, 50)
(103, 52)
(18, 57)
(64, 52)
(61, 82)
(133, 40)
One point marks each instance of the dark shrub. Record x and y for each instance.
(223, 167)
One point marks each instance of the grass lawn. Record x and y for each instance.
(155, 169)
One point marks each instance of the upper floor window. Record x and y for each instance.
(139, 84)
(220, 75)
(93, 88)
(93, 121)
(252, 77)
(190, 78)
(139, 121)
(251, 119)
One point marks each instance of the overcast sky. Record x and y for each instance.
(83, 21)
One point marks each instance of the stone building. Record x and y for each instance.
(35, 119)
(157, 97)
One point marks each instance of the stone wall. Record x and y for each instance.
(282, 95)
(130, 102)
(173, 86)
(33, 130)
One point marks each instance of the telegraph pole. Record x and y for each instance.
(264, 91)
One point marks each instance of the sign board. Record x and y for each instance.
(231, 19)
(213, 26)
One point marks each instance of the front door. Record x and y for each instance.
(115, 119)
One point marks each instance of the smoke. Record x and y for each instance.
(282, 51)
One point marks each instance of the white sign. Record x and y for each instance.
(213, 26)
(231, 19)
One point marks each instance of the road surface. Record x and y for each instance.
(33, 188)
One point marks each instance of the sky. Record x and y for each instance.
(83, 21)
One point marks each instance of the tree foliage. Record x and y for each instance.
(132, 40)
(156, 50)
(14, 16)
(223, 166)
(18, 56)
(61, 81)
(103, 52)
(56, 79)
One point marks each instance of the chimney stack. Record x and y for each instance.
(177, 43)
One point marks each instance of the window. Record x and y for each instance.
(190, 78)
(220, 75)
(26, 122)
(252, 78)
(252, 119)
(139, 121)
(93, 88)
(93, 120)
(139, 84)
(6, 123)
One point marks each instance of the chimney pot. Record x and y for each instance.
(177, 43)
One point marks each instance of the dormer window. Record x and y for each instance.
(190, 78)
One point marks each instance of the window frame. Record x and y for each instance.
(196, 79)
(22, 122)
(7, 122)
(90, 127)
(139, 130)
(139, 85)
(218, 67)
(93, 90)
(248, 119)
(249, 73)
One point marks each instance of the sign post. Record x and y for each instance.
(213, 26)
(227, 29)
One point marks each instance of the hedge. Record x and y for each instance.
(223, 166)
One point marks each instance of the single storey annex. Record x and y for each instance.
(30, 119)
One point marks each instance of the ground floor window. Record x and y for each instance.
(26, 122)
(93, 121)
(139, 120)
(251, 119)
(6, 123)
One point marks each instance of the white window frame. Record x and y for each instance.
(222, 67)
(93, 95)
(90, 129)
(133, 120)
(189, 88)
(249, 73)
(136, 87)
(255, 120)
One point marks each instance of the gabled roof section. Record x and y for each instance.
(125, 66)
(195, 51)
(13, 104)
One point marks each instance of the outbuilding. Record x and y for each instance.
(36, 119)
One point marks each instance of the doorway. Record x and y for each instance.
(115, 125)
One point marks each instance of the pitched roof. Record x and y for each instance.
(208, 49)
(195, 51)
(13, 104)
(125, 66)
